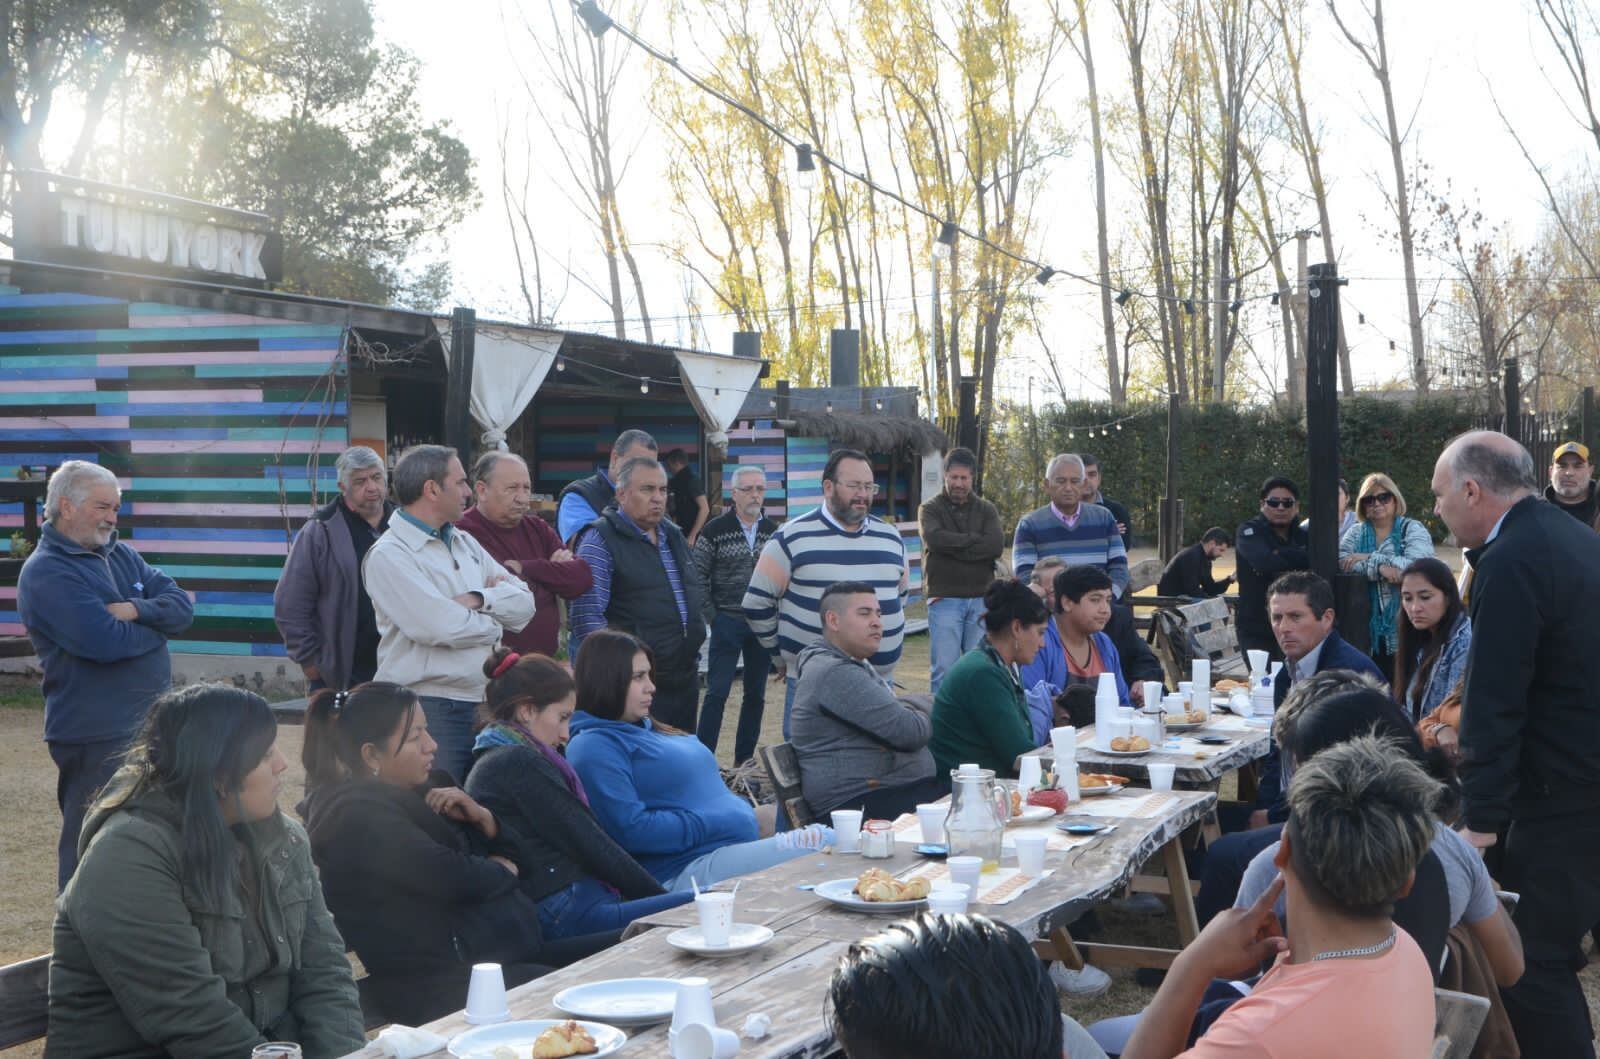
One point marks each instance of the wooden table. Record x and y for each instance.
(1199, 765)
(788, 977)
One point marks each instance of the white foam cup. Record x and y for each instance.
(716, 917)
(964, 871)
(693, 1004)
(948, 899)
(931, 817)
(1030, 854)
(1161, 775)
(847, 830)
(1030, 771)
(700, 1041)
(486, 995)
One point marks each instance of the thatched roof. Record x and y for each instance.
(870, 433)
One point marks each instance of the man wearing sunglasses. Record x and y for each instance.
(1269, 545)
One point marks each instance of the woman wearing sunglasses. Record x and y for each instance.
(1379, 547)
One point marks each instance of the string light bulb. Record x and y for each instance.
(1123, 296)
(561, 364)
(805, 166)
(1044, 275)
(595, 19)
(945, 244)
(644, 384)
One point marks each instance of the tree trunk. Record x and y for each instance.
(1108, 318)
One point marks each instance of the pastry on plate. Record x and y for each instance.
(563, 1039)
(1130, 742)
(1096, 780)
(875, 884)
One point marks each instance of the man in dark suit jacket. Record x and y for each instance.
(1300, 606)
(1530, 733)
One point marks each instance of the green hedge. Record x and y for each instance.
(1226, 452)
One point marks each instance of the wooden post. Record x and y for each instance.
(1511, 379)
(782, 411)
(1322, 416)
(458, 384)
(1586, 430)
(1171, 519)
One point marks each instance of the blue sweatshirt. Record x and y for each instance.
(660, 796)
(101, 674)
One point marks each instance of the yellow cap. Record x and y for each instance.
(1571, 448)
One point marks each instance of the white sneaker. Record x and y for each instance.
(1140, 905)
(1091, 981)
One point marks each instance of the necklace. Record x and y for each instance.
(1366, 950)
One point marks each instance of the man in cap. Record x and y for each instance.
(1572, 484)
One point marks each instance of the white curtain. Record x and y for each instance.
(717, 386)
(508, 367)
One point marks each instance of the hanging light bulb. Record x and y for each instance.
(1274, 297)
(1188, 306)
(561, 364)
(1071, 436)
(946, 242)
(1119, 426)
(830, 408)
(805, 166)
(1123, 296)
(1044, 275)
(878, 404)
(644, 384)
(772, 403)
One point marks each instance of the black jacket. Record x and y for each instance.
(1119, 511)
(1263, 555)
(1584, 510)
(642, 602)
(1189, 574)
(1530, 724)
(595, 490)
(561, 841)
(1139, 662)
(414, 894)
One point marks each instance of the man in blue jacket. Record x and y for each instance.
(99, 617)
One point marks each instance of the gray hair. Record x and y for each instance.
(629, 438)
(419, 465)
(1313, 689)
(632, 467)
(1360, 822)
(1065, 457)
(483, 469)
(356, 458)
(1502, 468)
(72, 481)
(748, 468)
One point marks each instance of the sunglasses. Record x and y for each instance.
(1279, 502)
(1377, 498)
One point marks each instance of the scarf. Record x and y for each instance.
(1381, 626)
(510, 733)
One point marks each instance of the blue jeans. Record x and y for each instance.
(730, 638)
(789, 684)
(81, 770)
(451, 723)
(590, 907)
(955, 625)
(730, 861)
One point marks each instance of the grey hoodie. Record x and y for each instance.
(850, 732)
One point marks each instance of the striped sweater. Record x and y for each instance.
(806, 555)
(1094, 541)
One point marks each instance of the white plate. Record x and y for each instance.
(1100, 792)
(742, 938)
(480, 1043)
(626, 1001)
(1031, 814)
(842, 892)
(1186, 726)
(1122, 753)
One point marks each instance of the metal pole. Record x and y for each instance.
(1322, 416)
(1219, 320)
(1171, 507)
(1587, 431)
(1511, 379)
(458, 384)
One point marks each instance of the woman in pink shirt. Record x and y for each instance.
(1346, 980)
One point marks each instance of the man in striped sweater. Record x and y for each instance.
(839, 541)
(1083, 534)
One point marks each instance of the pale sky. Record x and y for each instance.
(1442, 54)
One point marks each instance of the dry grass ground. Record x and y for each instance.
(30, 823)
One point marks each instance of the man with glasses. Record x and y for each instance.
(961, 539)
(1572, 486)
(839, 541)
(1267, 546)
(1081, 533)
(725, 557)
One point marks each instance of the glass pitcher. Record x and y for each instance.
(979, 808)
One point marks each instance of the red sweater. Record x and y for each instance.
(531, 544)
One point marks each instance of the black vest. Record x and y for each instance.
(641, 597)
(594, 489)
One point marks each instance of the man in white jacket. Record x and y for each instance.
(440, 600)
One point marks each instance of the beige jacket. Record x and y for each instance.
(429, 642)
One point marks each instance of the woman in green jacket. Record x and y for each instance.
(979, 714)
(194, 925)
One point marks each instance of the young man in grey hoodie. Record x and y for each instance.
(857, 744)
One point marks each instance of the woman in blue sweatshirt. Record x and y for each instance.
(656, 790)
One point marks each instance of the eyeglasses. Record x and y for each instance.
(1372, 499)
(1278, 501)
(869, 488)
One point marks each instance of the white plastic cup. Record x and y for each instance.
(486, 995)
(716, 917)
(931, 817)
(964, 871)
(1030, 772)
(847, 830)
(1200, 673)
(1064, 742)
(1030, 854)
(1152, 693)
(276, 1050)
(700, 1041)
(1257, 660)
(948, 899)
(693, 1005)
(1161, 775)
(1172, 704)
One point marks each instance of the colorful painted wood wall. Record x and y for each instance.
(567, 440)
(222, 429)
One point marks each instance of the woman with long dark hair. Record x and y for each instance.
(583, 880)
(658, 791)
(194, 924)
(421, 879)
(1434, 636)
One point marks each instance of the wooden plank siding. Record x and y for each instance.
(223, 430)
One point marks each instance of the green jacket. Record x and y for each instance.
(980, 715)
(143, 966)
